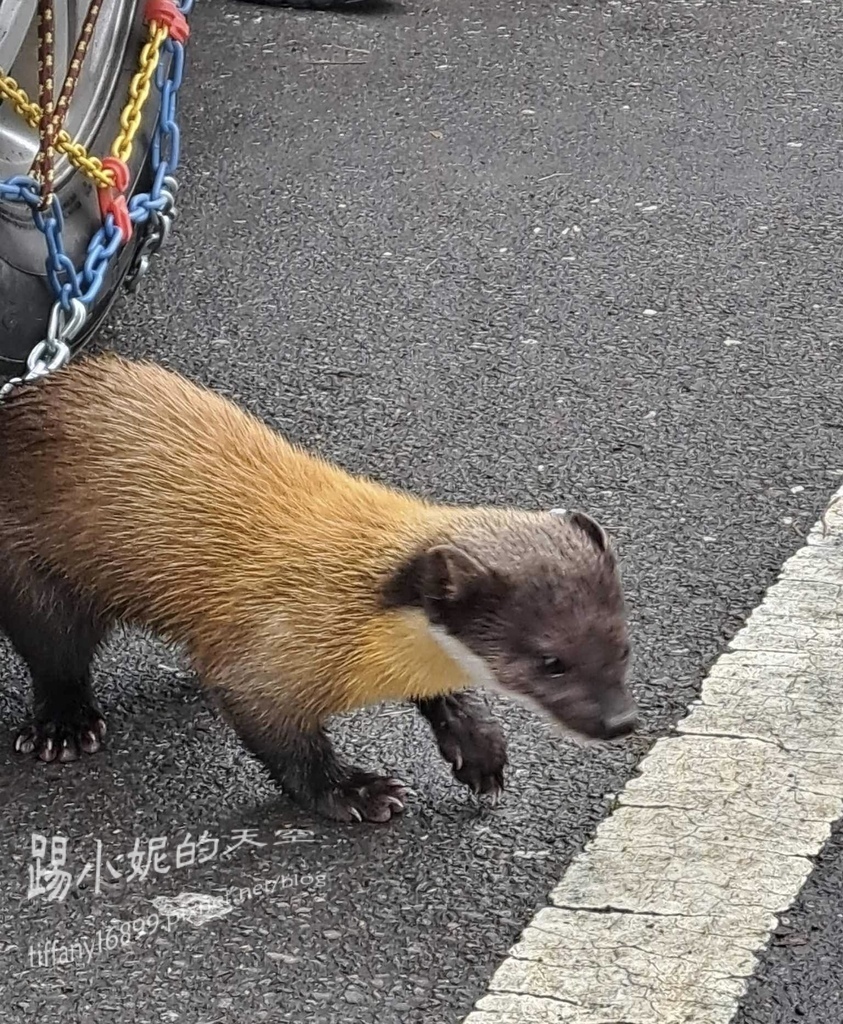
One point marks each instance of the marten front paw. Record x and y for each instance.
(63, 739)
(475, 747)
(364, 796)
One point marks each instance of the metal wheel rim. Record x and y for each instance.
(19, 58)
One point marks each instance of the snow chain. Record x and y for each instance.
(161, 62)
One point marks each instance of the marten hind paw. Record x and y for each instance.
(62, 739)
(364, 796)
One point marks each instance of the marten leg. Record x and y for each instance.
(469, 739)
(304, 763)
(56, 632)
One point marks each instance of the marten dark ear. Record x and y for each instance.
(442, 574)
(451, 574)
(592, 529)
(403, 588)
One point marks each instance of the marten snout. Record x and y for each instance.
(594, 705)
(618, 715)
(621, 723)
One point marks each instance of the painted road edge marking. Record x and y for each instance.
(660, 919)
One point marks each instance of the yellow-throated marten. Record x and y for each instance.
(129, 494)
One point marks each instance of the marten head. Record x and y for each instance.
(530, 604)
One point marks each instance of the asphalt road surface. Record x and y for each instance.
(579, 254)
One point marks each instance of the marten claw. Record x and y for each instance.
(479, 766)
(68, 752)
(489, 786)
(397, 784)
(62, 740)
(365, 797)
(24, 743)
(91, 740)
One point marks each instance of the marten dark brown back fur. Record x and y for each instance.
(132, 495)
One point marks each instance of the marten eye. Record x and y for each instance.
(625, 653)
(554, 666)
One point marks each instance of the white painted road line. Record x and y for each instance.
(660, 918)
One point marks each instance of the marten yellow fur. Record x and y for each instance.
(133, 495)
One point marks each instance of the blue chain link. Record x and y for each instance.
(84, 283)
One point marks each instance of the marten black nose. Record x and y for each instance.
(620, 724)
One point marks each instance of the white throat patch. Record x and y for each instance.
(474, 667)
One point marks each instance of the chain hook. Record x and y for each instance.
(159, 226)
(64, 325)
(53, 352)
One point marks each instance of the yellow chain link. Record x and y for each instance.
(130, 118)
(76, 153)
